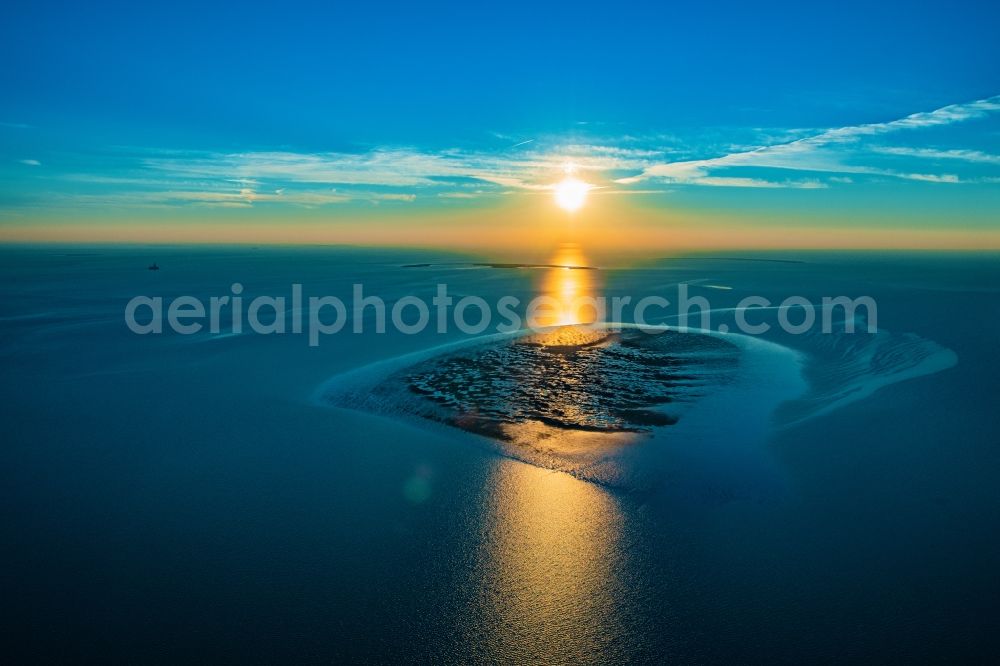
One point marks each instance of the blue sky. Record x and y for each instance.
(885, 110)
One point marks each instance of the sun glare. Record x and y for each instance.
(571, 193)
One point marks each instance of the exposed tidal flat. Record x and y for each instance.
(563, 496)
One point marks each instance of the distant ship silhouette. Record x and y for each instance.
(154, 267)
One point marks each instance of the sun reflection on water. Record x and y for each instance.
(549, 588)
(551, 549)
(570, 287)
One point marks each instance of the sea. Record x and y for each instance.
(577, 492)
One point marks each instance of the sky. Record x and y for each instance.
(691, 124)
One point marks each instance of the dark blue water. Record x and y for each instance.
(185, 498)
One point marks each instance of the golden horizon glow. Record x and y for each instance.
(523, 228)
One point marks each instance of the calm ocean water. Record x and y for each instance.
(189, 498)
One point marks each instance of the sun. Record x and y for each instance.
(571, 193)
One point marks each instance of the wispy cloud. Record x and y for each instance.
(243, 198)
(839, 150)
(931, 178)
(446, 174)
(723, 181)
(963, 155)
(777, 159)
